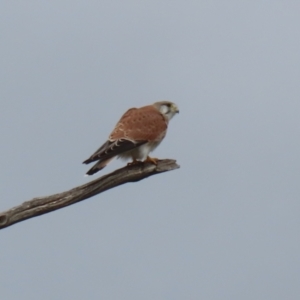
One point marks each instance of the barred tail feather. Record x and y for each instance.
(98, 166)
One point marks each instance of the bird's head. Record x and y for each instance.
(167, 109)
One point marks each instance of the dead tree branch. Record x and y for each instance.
(42, 205)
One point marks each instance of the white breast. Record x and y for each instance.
(140, 153)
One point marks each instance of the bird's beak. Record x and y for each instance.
(175, 109)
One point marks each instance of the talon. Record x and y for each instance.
(151, 160)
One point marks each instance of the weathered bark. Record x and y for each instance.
(42, 205)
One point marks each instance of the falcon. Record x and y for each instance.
(138, 132)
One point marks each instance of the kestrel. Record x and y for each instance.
(138, 132)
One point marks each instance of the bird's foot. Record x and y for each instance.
(151, 160)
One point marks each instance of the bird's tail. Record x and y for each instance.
(98, 166)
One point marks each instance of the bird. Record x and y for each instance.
(138, 132)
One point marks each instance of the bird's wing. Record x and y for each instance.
(110, 149)
(140, 124)
(135, 128)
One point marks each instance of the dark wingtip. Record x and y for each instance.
(87, 161)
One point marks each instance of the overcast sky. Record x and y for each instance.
(226, 224)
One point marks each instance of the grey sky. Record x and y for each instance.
(223, 226)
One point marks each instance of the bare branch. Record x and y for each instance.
(42, 205)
